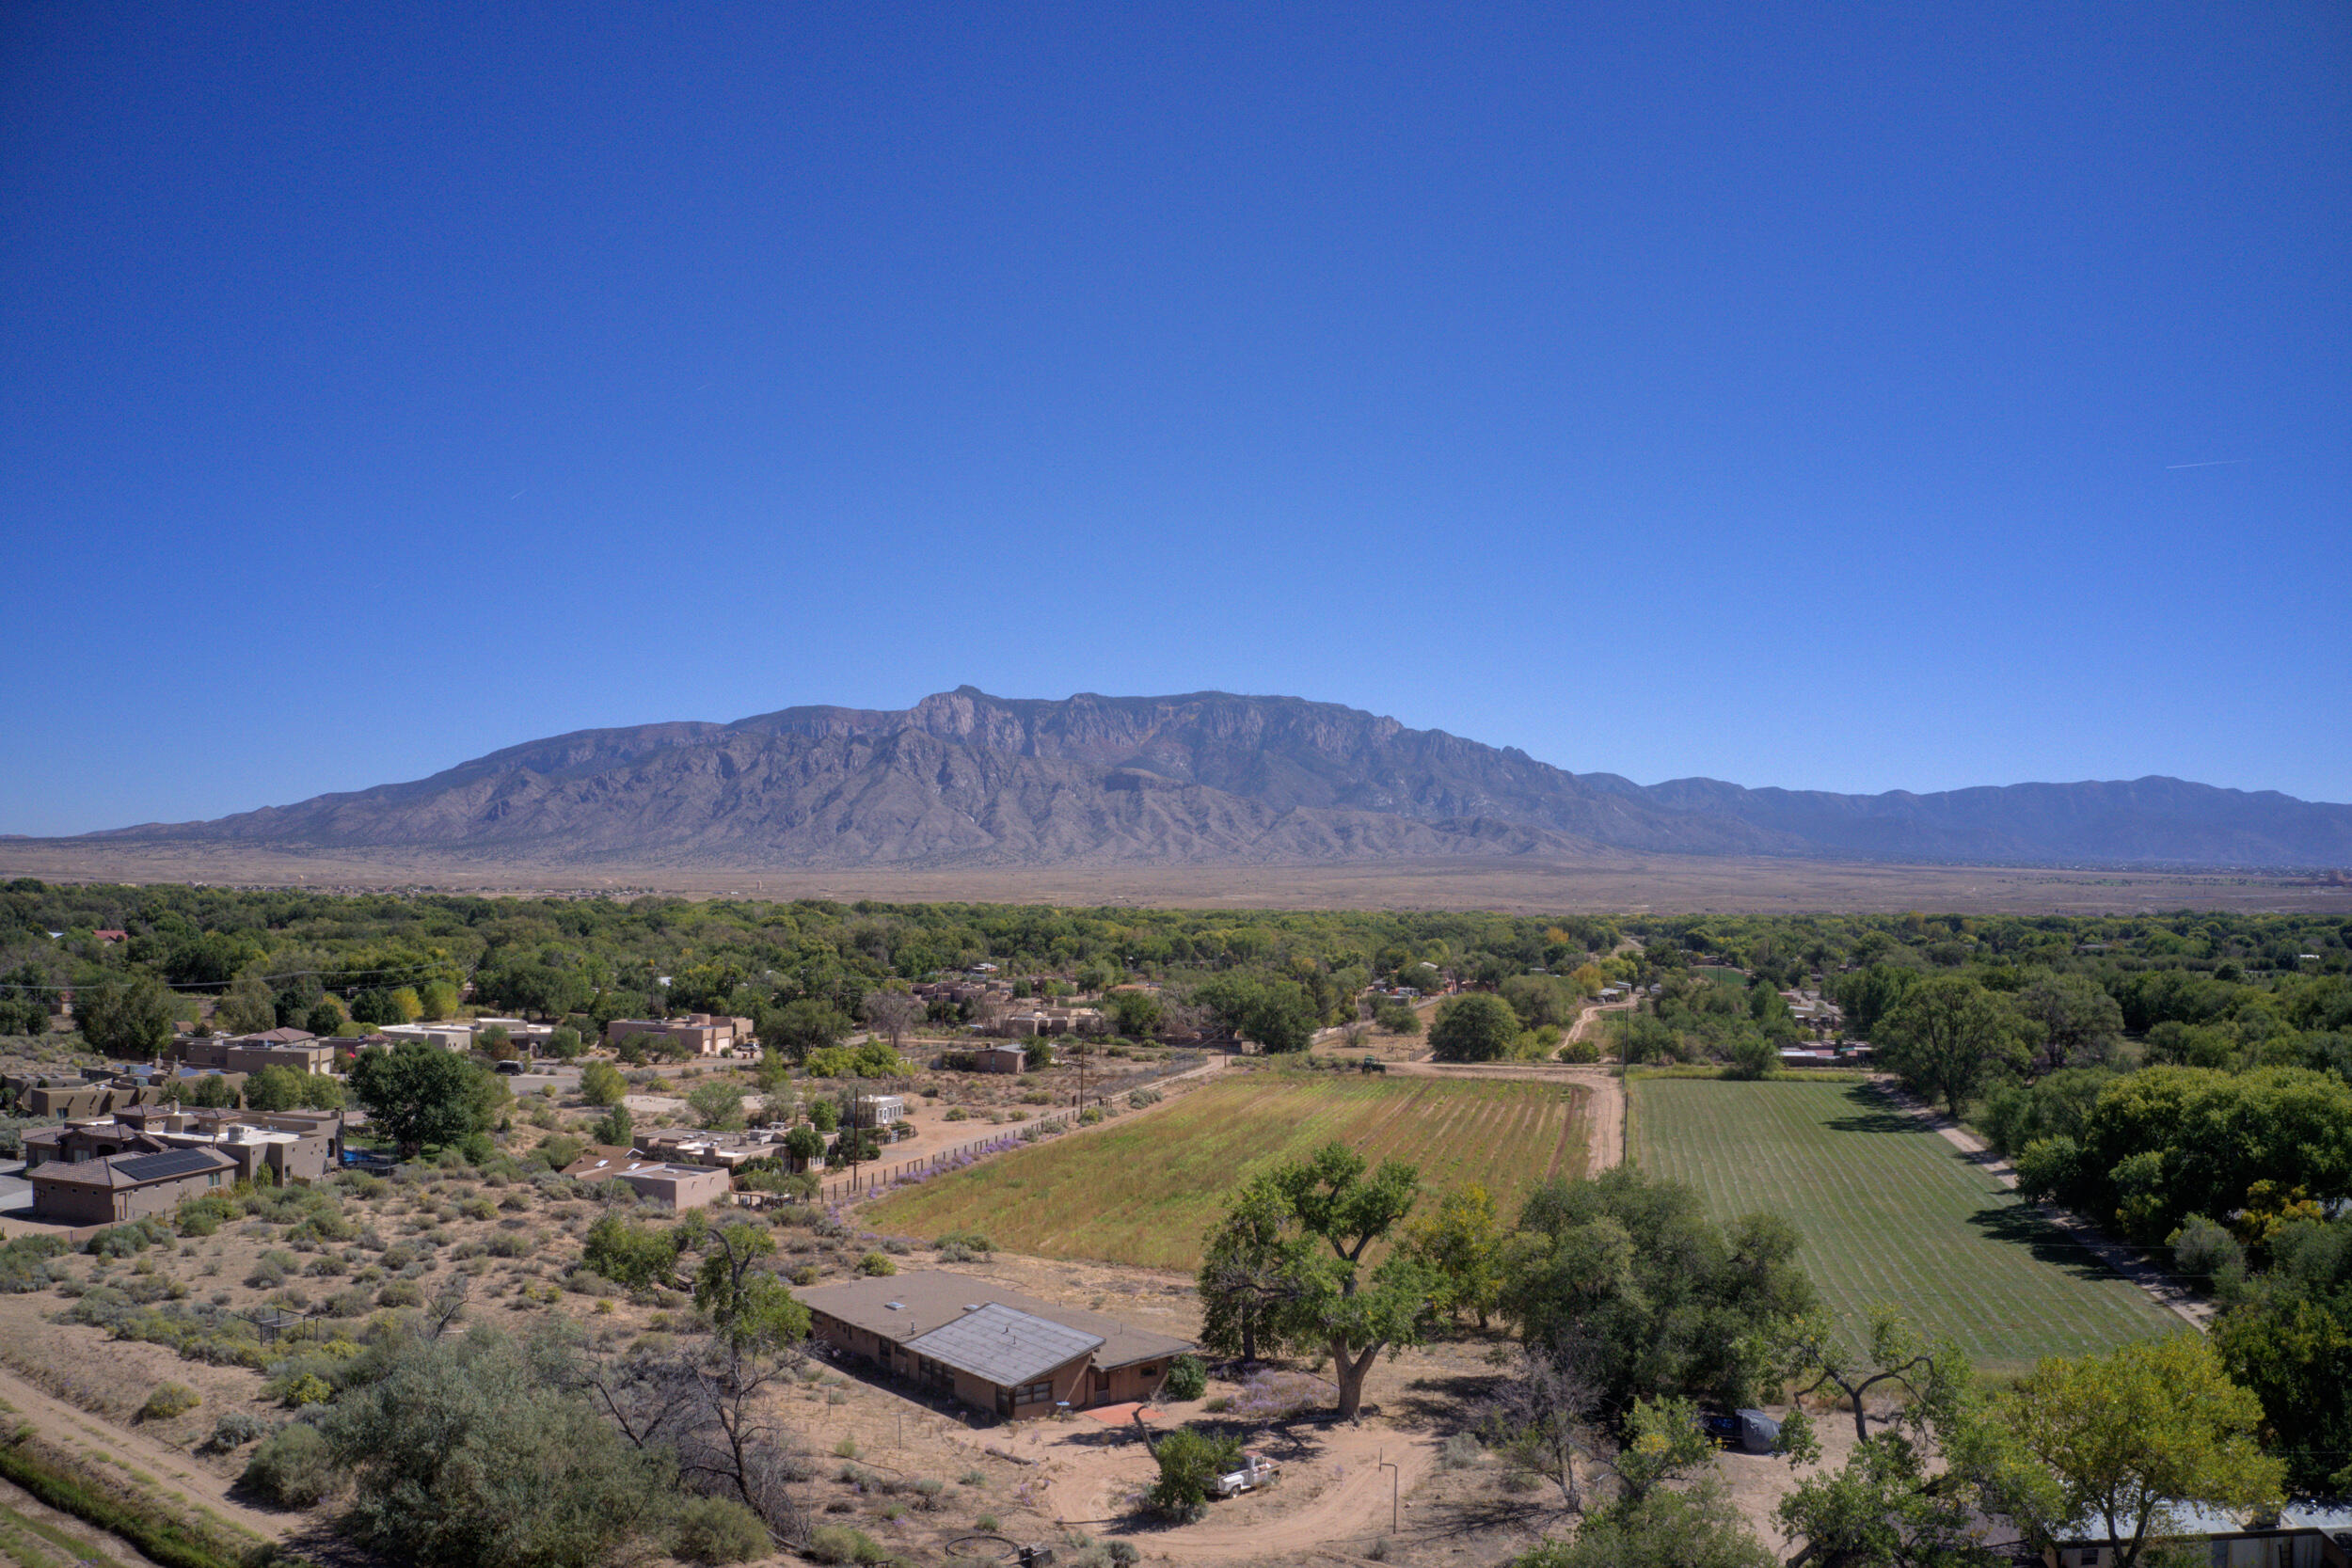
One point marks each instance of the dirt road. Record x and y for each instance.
(177, 1479)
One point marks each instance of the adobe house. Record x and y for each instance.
(993, 1348)
(677, 1188)
(293, 1146)
(1001, 1059)
(125, 1186)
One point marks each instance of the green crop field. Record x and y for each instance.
(1891, 1213)
(1146, 1189)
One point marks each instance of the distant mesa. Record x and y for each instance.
(964, 778)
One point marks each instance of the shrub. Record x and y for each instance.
(840, 1543)
(1461, 1451)
(294, 1468)
(719, 1530)
(877, 1264)
(202, 1216)
(601, 1083)
(125, 1240)
(234, 1429)
(400, 1293)
(1187, 1379)
(971, 1241)
(168, 1401)
(24, 1263)
(1190, 1461)
(1581, 1051)
(2206, 1251)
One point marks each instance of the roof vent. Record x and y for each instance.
(895, 1306)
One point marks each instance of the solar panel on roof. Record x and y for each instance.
(178, 1162)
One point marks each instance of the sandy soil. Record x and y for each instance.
(1605, 883)
(1331, 1489)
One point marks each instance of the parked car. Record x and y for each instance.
(1256, 1471)
(1746, 1431)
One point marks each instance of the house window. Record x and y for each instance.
(1151, 1371)
(213, 1181)
(1033, 1393)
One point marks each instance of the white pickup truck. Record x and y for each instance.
(1256, 1471)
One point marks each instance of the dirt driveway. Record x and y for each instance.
(1333, 1488)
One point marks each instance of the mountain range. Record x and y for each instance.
(966, 779)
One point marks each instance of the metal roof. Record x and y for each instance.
(1003, 1346)
(927, 1299)
(178, 1162)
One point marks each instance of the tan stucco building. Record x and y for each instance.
(994, 1349)
(126, 1186)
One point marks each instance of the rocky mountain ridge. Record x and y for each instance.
(966, 779)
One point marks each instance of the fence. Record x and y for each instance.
(883, 1174)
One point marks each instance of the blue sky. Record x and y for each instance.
(1795, 395)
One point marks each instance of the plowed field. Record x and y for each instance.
(1146, 1189)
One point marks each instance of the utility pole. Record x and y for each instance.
(854, 1139)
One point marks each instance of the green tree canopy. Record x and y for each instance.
(128, 1017)
(2169, 1142)
(797, 1028)
(1948, 1038)
(1478, 1027)
(2289, 1340)
(2079, 1023)
(1286, 1265)
(1629, 1278)
(419, 1094)
(2131, 1435)
(601, 1083)
(480, 1453)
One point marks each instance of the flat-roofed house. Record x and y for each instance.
(293, 1146)
(994, 1349)
(677, 1188)
(126, 1187)
(698, 1033)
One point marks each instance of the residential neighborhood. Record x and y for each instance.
(1047, 1239)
